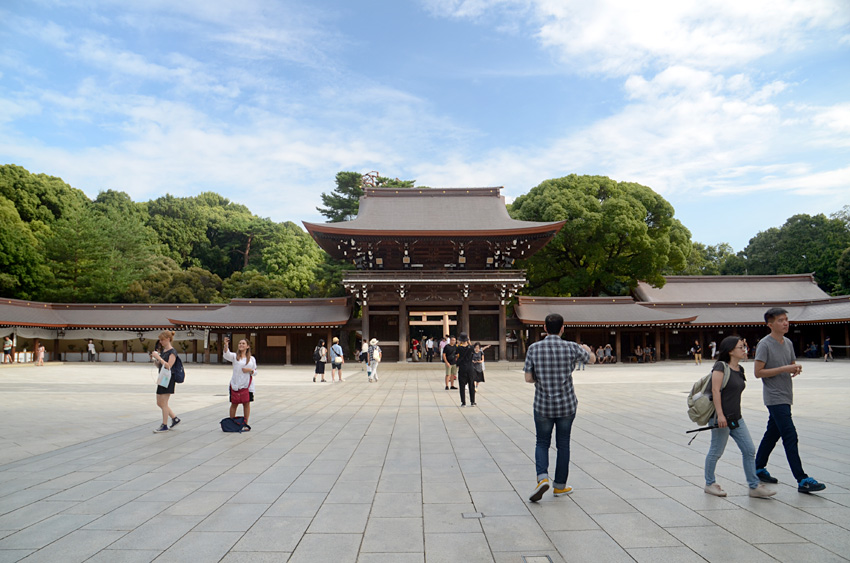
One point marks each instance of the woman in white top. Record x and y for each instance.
(244, 366)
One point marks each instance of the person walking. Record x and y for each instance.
(168, 358)
(39, 353)
(728, 420)
(244, 368)
(697, 352)
(320, 356)
(827, 349)
(478, 363)
(465, 371)
(7, 350)
(337, 359)
(91, 349)
(449, 358)
(775, 365)
(549, 364)
(429, 349)
(375, 355)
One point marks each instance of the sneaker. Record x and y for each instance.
(473, 405)
(761, 492)
(314, 380)
(162, 428)
(562, 492)
(809, 485)
(765, 477)
(714, 489)
(447, 387)
(541, 488)
(175, 421)
(463, 404)
(453, 387)
(376, 378)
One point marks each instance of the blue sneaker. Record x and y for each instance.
(809, 485)
(765, 477)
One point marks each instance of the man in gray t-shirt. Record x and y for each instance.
(775, 365)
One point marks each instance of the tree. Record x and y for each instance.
(703, 260)
(21, 264)
(616, 233)
(253, 284)
(803, 244)
(180, 225)
(95, 254)
(843, 271)
(344, 202)
(39, 197)
(293, 257)
(170, 284)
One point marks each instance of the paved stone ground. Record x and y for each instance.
(389, 472)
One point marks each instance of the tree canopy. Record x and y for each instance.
(344, 202)
(616, 233)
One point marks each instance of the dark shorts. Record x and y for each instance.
(160, 390)
(337, 367)
(320, 368)
(230, 395)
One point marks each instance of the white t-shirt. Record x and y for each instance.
(239, 379)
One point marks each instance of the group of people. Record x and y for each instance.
(9, 346)
(423, 349)
(464, 363)
(550, 362)
(322, 355)
(242, 378)
(604, 355)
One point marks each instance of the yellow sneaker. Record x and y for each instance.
(541, 488)
(562, 492)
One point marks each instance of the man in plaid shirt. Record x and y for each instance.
(549, 364)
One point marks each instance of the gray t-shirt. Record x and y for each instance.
(779, 389)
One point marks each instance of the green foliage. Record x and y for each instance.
(21, 264)
(95, 253)
(254, 285)
(616, 233)
(180, 226)
(39, 197)
(170, 284)
(804, 244)
(343, 203)
(705, 260)
(292, 257)
(843, 271)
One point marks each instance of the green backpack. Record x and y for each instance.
(700, 405)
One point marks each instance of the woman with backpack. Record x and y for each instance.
(244, 367)
(728, 420)
(168, 358)
(320, 356)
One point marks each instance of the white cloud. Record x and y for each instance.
(622, 37)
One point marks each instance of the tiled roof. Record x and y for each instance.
(14, 312)
(433, 212)
(732, 289)
(595, 311)
(268, 313)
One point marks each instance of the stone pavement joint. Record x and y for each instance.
(395, 471)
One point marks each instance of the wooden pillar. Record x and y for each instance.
(666, 344)
(207, 340)
(464, 316)
(55, 354)
(846, 341)
(289, 347)
(194, 351)
(618, 346)
(124, 351)
(446, 326)
(364, 327)
(657, 344)
(402, 331)
(503, 334)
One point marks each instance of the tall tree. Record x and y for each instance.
(22, 268)
(39, 197)
(293, 257)
(803, 244)
(343, 203)
(705, 260)
(616, 233)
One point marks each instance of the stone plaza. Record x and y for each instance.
(397, 472)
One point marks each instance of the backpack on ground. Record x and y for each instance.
(317, 354)
(234, 424)
(700, 405)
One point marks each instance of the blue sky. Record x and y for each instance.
(737, 112)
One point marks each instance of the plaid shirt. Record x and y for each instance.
(552, 361)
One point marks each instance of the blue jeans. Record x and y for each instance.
(780, 425)
(719, 437)
(544, 426)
